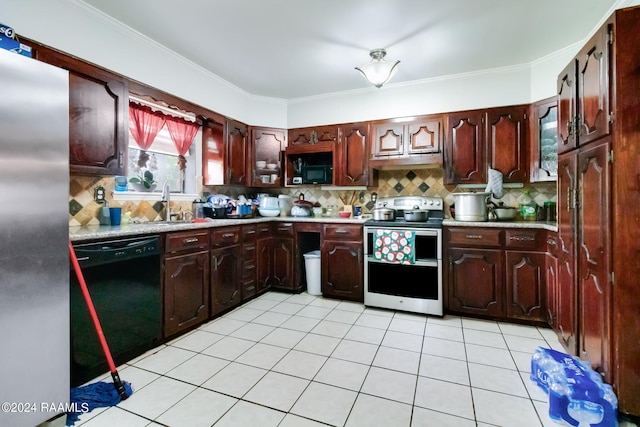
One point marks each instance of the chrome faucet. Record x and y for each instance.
(166, 197)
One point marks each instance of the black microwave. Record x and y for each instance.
(317, 174)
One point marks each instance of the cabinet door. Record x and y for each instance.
(225, 283)
(213, 150)
(283, 259)
(313, 135)
(388, 140)
(567, 277)
(186, 291)
(98, 116)
(424, 137)
(567, 98)
(268, 145)
(465, 150)
(264, 264)
(237, 153)
(593, 88)
(544, 141)
(475, 281)
(525, 285)
(507, 140)
(353, 152)
(342, 270)
(594, 256)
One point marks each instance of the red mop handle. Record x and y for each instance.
(92, 310)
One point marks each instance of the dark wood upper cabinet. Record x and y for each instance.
(313, 135)
(353, 155)
(267, 146)
(507, 139)
(213, 150)
(543, 141)
(465, 151)
(593, 88)
(398, 142)
(567, 96)
(237, 149)
(98, 115)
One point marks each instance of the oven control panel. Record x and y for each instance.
(411, 202)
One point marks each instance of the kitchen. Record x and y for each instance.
(295, 117)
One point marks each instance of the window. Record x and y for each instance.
(161, 159)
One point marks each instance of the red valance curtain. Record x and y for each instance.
(144, 124)
(182, 133)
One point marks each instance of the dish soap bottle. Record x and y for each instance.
(528, 209)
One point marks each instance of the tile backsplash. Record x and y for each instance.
(83, 210)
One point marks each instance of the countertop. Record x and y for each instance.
(551, 226)
(98, 232)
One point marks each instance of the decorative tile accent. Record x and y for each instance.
(391, 183)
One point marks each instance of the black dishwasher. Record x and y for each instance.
(123, 277)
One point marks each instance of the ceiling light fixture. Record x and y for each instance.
(378, 71)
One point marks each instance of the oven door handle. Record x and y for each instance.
(420, 263)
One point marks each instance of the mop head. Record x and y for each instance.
(97, 395)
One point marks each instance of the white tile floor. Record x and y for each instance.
(302, 361)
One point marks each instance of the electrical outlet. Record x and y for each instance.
(99, 194)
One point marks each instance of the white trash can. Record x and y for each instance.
(312, 265)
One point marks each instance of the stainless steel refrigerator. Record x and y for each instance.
(34, 236)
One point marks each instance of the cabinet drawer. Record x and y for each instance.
(248, 269)
(475, 236)
(263, 230)
(225, 236)
(342, 232)
(282, 229)
(524, 239)
(249, 250)
(249, 233)
(187, 240)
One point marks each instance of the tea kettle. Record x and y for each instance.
(301, 207)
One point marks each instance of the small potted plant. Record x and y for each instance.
(143, 182)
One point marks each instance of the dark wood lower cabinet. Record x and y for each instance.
(342, 270)
(186, 291)
(525, 285)
(475, 281)
(226, 292)
(283, 260)
(186, 280)
(497, 273)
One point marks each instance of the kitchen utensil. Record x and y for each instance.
(269, 202)
(301, 208)
(471, 206)
(269, 211)
(384, 214)
(416, 215)
(344, 214)
(217, 213)
(286, 203)
(504, 213)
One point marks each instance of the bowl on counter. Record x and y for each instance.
(261, 164)
(271, 166)
(269, 211)
(344, 214)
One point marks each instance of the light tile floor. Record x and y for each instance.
(302, 361)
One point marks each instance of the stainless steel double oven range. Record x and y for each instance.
(416, 284)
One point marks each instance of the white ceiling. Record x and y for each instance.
(299, 48)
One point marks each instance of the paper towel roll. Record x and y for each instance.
(494, 184)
